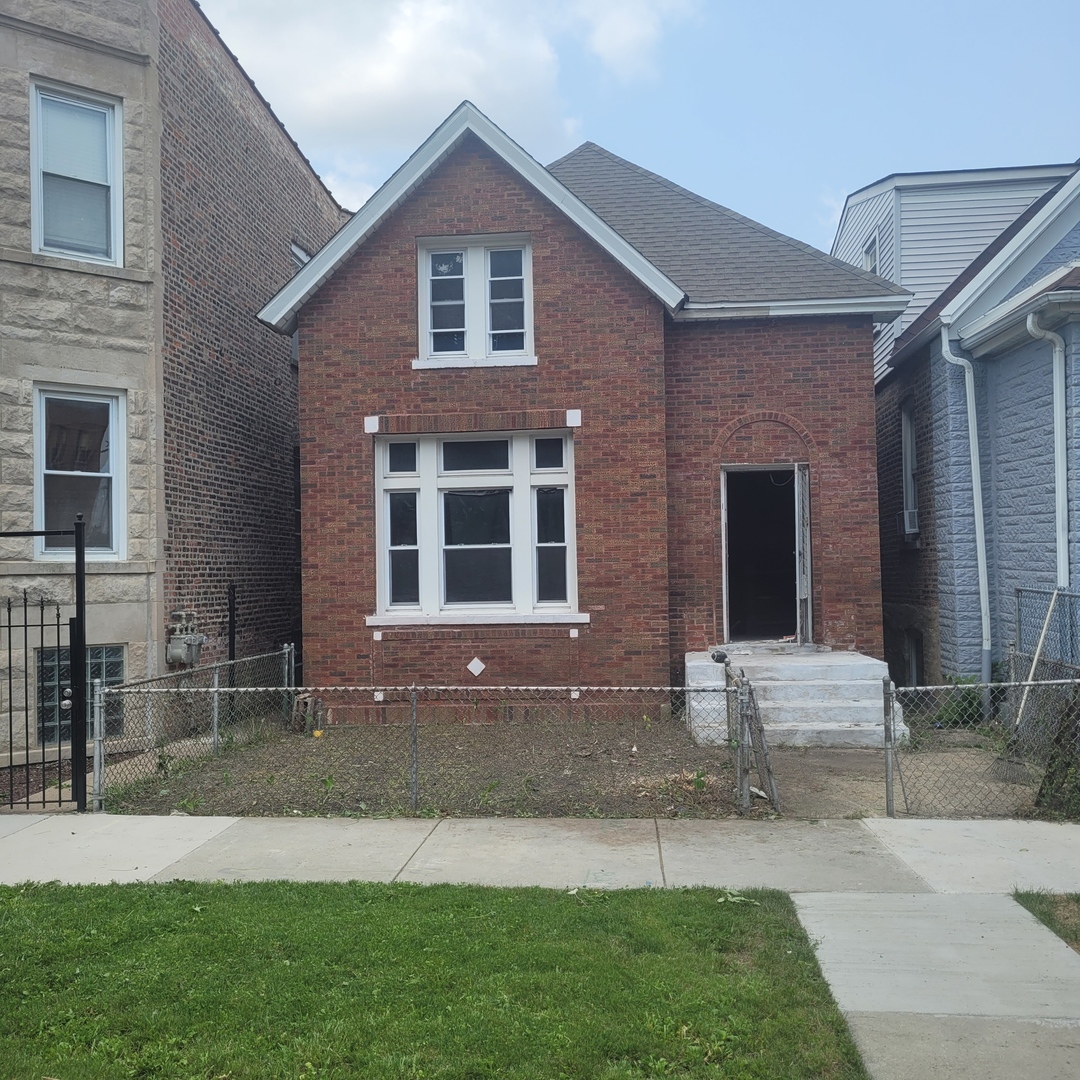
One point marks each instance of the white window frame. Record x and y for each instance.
(114, 125)
(477, 352)
(871, 255)
(430, 481)
(117, 402)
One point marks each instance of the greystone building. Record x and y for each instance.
(151, 201)
(978, 407)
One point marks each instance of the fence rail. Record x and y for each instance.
(611, 751)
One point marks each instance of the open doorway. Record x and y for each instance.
(766, 552)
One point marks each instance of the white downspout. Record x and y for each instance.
(1061, 452)
(976, 495)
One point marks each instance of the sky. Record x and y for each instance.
(775, 108)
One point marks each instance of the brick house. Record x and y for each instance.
(140, 233)
(970, 514)
(566, 424)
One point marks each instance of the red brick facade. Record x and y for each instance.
(664, 406)
(235, 194)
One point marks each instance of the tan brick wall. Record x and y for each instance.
(236, 193)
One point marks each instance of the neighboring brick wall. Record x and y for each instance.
(235, 193)
(908, 570)
(599, 339)
(758, 393)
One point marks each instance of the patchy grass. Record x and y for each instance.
(227, 982)
(1059, 911)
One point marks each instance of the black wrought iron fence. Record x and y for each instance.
(611, 751)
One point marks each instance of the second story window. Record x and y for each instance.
(909, 525)
(475, 303)
(75, 164)
(870, 255)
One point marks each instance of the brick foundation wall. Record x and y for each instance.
(908, 570)
(774, 392)
(235, 193)
(599, 339)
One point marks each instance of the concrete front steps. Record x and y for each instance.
(808, 695)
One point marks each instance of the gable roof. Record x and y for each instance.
(280, 312)
(987, 266)
(718, 256)
(698, 258)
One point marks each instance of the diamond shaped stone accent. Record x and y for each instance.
(476, 665)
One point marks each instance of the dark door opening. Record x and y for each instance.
(761, 562)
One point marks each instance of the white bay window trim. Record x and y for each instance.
(466, 292)
(76, 174)
(73, 457)
(416, 542)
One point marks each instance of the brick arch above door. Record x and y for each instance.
(764, 437)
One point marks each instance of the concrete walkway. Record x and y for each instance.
(938, 971)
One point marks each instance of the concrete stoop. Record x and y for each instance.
(808, 695)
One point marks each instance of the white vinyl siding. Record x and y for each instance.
(943, 228)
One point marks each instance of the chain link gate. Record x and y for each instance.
(43, 701)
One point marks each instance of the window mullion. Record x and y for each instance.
(429, 527)
(522, 528)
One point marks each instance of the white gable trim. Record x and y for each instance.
(280, 312)
(973, 332)
(1052, 213)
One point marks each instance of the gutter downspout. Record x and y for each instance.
(976, 495)
(1061, 452)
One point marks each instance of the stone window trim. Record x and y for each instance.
(110, 506)
(107, 174)
(477, 304)
(520, 489)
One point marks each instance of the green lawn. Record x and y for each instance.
(1059, 911)
(359, 980)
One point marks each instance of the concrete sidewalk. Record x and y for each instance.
(938, 971)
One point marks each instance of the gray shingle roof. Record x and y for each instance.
(712, 253)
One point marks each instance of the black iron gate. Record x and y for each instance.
(43, 693)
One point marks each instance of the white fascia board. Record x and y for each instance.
(1057, 206)
(1011, 327)
(281, 311)
(957, 177)
(880, 308)
(993, 319)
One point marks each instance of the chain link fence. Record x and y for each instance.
(604, 751)
(151, 728)
(1048, 625)
(986, 750)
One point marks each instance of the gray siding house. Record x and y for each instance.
(922, 229)
(978, 410)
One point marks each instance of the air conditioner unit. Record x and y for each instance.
(907, 523)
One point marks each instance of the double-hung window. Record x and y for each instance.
(80, 468)
(475, 303)
(75, 162)
(476, 525)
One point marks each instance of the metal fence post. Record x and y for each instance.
(889, 695)
(215, 711)
(99, 748)
(414, 770)
(743, 753)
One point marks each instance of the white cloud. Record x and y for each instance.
(359, 86)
